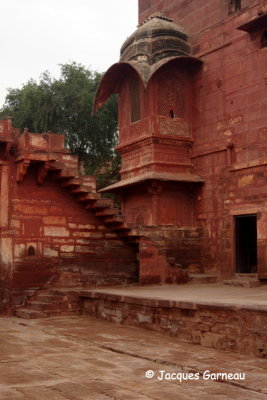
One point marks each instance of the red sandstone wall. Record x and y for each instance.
(229, 121)
(223, 327)
(168, 204)
(69, 242)
(47, 235)
(193, 15)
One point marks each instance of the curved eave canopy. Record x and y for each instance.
(112, 79)
(179, 61)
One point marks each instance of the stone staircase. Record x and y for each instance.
(52, 301)
(57, 301)
(195, 276)
(49, 302)
(84, 189)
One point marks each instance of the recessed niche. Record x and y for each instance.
(31, 251)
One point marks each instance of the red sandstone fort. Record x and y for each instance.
(192, 90)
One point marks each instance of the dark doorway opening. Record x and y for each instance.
(246, 244)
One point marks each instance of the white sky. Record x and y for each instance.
(38, 35)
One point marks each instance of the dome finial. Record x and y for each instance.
(157, 14)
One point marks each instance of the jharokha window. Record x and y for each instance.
(135, 99)
(171, 95)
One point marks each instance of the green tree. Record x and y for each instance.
(64, 105)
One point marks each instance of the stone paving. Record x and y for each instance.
(81, 358)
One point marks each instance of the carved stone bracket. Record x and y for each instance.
(22, 167)
(42, 172)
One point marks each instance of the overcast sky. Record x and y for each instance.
(38, 35)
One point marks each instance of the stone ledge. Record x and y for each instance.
(162, 303)
(234, 328)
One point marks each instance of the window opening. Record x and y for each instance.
(246, 244)
(264, 39)
(31, 251)
(135, 99)
(171, 95)
(172, 114)
(234, 6)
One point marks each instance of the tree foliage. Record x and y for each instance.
(64, 105)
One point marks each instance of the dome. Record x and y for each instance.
(156, 38)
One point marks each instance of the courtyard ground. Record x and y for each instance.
(80, 358)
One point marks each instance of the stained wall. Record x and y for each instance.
(229, 123)
(47, 235)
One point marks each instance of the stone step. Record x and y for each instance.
(63, 305)
(80, 183)
(107, 212)
(82, 189)
(114, 220)
(58, 291)
(246, 276)
(72, 182)
(101, 203)
(133, 239)
(123, 229)
(46, 297)
(38, 305)
(27, 313)
(243, 282)
(89, 197)
(202, 278)
(88, 180)
(64, 174)
(46, 303)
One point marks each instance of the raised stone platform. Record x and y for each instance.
(214, 315)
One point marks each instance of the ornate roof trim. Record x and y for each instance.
(112, 79)
(189, 61)
(157, 14)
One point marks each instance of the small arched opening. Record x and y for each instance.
(31, 251)
(171, 114)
